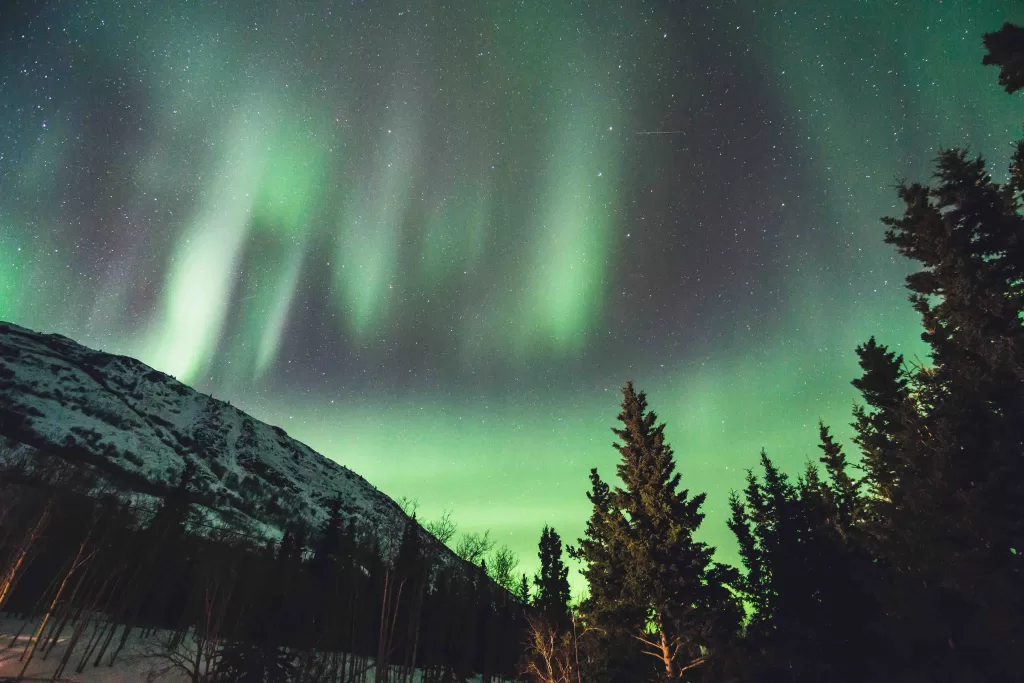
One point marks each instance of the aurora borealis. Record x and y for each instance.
(432, 240)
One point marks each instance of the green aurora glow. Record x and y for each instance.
(432, 241)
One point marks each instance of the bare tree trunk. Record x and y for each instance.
(90, 646)
(59, 624)
(417, 620)
(666, 654)
(379, 674)
(387, 630)
(121, 643)
(576, 647)
(391, 631)
(56, 598)
(95, 608)
(76, 635)
(107, 641)
(215, 604)
(198, 662)
(17, 636)
(10, 575)
(68, 611)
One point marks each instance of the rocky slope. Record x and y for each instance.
(136, 427)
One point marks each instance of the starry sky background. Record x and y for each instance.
(432, 239)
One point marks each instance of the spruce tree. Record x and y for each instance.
(523, 590)
(174, 516)
(610, 608)
(963, 488)
(842, 490)
(943, 444)
(883, 431)
(328, 546)
(650, 579)
(552, 582)
(1006, 50)
(410, 559)
(811, 617)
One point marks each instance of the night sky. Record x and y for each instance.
(433, 239)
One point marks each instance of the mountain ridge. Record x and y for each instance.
(139, 426)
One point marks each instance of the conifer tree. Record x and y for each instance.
(174, 514)
(811, 617)
(523, 590)
(649, 578)
(610, 608)
(841, 489)
(328, 544)
(552, 582)
(882, 431)
(967, 462)
(1006, 50)
(943, 445)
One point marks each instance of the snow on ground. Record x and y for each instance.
(139, 661)
(132, 664)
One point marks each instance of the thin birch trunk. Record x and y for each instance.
(56, 598)
(10, 575)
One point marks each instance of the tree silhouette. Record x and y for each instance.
(1006, 50)
(552, 599)
(650, 580)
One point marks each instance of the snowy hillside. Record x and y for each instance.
(138, 426)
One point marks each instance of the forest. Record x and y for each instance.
(900, 560)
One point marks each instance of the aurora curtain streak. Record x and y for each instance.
(430, 240)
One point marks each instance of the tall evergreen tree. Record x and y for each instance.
(964, 482)
(670, 597)
(842, 490)
(173, 517)
(328, 546)
(943, 445)
(553, 580)
(610, 607)
(812, 618)
(883, 428)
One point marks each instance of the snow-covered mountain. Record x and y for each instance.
(137, 426)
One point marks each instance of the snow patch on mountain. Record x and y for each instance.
(139, 426)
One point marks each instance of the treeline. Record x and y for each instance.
(94, 574)
(904, 563)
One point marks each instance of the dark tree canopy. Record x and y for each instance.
(552, 599)
(651, 581)
(1006, 50)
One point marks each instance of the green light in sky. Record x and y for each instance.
(289, 192)
(370, 227)
(12, 276)
(273, 325)
(266, 189)
(456, 231)
(466, 185)
(575, 221)
(291, 185)
(201, 277)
